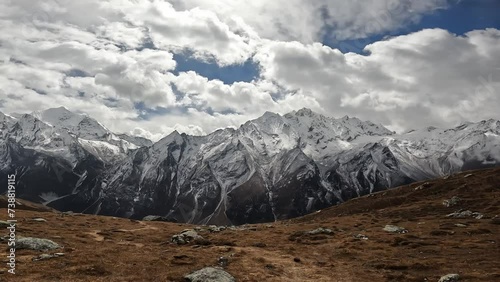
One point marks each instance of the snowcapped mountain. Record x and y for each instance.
(273, 167)
(53, 150)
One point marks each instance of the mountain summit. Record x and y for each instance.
(274, 167)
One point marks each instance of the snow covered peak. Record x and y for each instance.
(136, 140)
(174, 137)
(78, 124)
(4, 119)
(59, 117)
(304, 112)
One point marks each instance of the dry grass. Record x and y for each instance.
(111, 249)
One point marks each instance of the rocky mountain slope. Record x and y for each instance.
(418, 232)
(275, 167)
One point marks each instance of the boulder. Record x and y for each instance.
(450, 278)
(210, 274)
(452, 202)
(187, 236)
(466, 214)
(36, 244)
(320, 230)
(215, 228)
(395, 229)
(360, 237)
(153, 218)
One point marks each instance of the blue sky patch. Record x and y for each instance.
(245, 72)
(459, 18)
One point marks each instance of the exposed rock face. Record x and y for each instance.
(274, 167)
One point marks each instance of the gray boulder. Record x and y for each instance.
(360, 237)
(452, 202)
(37, 244)
(187, 236)
(320, 230)
(210, 274)
(215, 228)
(450, 278)
(466, 214)
(153, 218)
(395, 229)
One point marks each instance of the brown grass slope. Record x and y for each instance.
(101, 248)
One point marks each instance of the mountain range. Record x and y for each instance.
(271, 168)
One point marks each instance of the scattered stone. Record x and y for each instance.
(465, 214)
(47, 256)
(425, 185)
(223, 261)
(320, 230)
(36, 244)
(153, 218)
(215, 228)
(450, 278)
(210, 274)
(42, 257)
(187, 236)
(468, 175)
(39, 220)
(452, 202)
(360, 237)
(395, 229)
(460, 225)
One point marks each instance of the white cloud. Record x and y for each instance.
(90, 57)
(239, 97)
(428, 77)
(309, 21)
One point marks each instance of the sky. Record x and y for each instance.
(149, 67)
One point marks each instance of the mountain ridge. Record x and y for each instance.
(270, 168)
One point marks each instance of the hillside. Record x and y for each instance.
(352, 246)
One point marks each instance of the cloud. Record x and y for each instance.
(239, 97)
(114, 59)
(309, 21)
(444, 77)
